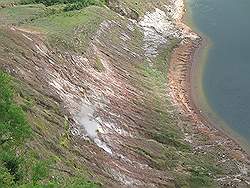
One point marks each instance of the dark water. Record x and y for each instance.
(226, 77)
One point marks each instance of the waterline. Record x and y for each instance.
(198, 94)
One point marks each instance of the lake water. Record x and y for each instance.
(225, 79)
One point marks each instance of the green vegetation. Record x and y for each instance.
(18, 165)
(58, 24)
(13, 125)
(69, 4)
(14, 129)
(142, 6)
(176, 155)
(46, 156)
(171, 139)
(98, 65)
(8, 3)
(65, 140)
(79, 4)
(21, 14)
(26, 11)
(59, 28)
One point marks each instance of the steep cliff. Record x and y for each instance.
(94, 85)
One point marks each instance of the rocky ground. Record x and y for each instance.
(97, 92)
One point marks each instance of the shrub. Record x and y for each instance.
(70, 4)
(13, 125)
(12, 163)
(6, 179)
(171, 139)
(14, 129)
(40, 171)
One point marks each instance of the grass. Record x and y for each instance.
(162, 60)
(70, 5)
(188, 170)
(24, 12)
(8, 3)
(20, 164)
(20, 14)
(171, 139)
(177, 156)
(98, 65)
(65, 138)
(142, 6)
(51, 138)
(61, 27)
(14, 129)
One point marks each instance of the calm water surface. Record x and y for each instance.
(226, 76)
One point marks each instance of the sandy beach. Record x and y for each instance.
(181, 70)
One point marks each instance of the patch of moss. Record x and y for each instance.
(98, 65)
(65, 138)
(171, 139)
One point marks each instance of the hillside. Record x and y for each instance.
(91, 78)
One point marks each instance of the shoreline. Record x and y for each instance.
(200, 103)
(183, 64)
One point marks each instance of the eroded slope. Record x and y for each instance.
(94, 85)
